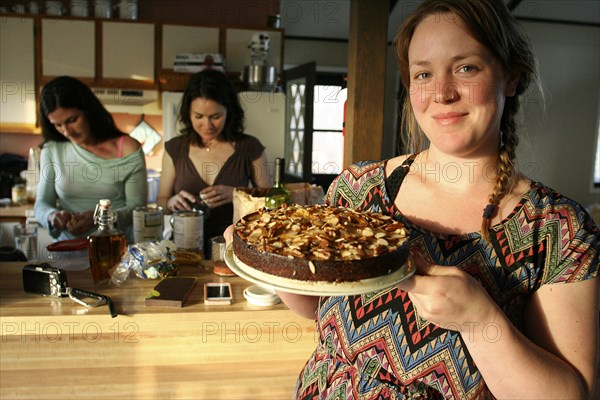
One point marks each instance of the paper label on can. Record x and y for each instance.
(147, 224)
(188, 230)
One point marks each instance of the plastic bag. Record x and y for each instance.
(148, 260)
(249, 200)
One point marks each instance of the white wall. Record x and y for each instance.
(331, 56)
(558, 142)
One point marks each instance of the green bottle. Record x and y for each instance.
(278, 194)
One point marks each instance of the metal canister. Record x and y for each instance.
(188, 230)
(147, 224)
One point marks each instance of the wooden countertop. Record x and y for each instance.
(55, 348)
(128, 298)
(14, 213)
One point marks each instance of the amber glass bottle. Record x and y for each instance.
(107, 244)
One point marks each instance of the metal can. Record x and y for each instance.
(188, 230)
(147, 224)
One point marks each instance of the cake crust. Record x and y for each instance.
(320, 243)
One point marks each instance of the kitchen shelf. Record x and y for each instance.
(26, 129)
(171, 81)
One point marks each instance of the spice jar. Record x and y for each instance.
(19, 194)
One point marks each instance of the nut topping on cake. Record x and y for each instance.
(321, 233)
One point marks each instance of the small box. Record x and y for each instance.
(171, 291)
(195, 62)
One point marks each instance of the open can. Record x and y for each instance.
(188, 230)
(147, 224)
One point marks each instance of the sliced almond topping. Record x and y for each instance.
(321, 232)
(382, 242)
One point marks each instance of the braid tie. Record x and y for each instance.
(488, 211)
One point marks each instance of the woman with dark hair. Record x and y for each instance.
(212, 156)
(84, 158)
(504, 302)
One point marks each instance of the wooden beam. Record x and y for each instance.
(367, 52)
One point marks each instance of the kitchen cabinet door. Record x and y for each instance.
(68, 48)
(238, 53)
(128, 51)
(187, 39)
(17, 73)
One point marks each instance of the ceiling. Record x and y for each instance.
(330, 19)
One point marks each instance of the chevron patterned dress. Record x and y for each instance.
(375, 346)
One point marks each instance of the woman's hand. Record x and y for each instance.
(448, 297)
(59, 219)
(81, 222)
(217, 195)
(181, 201)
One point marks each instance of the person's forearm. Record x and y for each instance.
(161, 201)
(514, 367)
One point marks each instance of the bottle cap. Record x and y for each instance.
(105, 202)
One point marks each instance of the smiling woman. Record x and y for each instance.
(84, 157)
(503, 303)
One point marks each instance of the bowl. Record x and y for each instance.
(259, 77)
(70, 255)
(261, 296)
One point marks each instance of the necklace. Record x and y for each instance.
(209, 145)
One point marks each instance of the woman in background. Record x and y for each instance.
(213, 155)
(84, 158)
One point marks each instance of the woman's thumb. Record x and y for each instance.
(424, 266)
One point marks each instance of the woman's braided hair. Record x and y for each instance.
(490, 23)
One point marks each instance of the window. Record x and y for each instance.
(328, 122)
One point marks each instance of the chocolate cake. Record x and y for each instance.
(320, 243)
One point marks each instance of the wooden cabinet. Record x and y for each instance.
(187, 39)
(128, 52)
(233, 43)
(68, 48)
(17, 74)
(178, 39)
(108, 54)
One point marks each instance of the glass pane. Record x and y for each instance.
(328, 105)
(597, 164)
(327, 152)
(294, 153)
